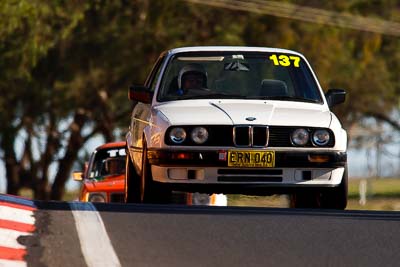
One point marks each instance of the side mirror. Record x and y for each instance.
(78, 176)
(335, 97)
(140, 93)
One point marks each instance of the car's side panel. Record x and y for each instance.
(340, 134)
(139, 120)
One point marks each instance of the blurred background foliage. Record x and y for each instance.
(65, 67)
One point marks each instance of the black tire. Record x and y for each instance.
(132, 182)
(331, 198)
(150, 191)
(336, 198)
(305, 200)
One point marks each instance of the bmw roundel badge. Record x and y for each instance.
(250, 119)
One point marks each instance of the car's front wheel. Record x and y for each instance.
(132, 182)
(150, 191)
(305, 200)
(336, 198)
(332, 198)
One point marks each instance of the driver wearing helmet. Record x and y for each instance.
(114, 166)
(191, 76)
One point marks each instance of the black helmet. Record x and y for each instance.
(192, 68)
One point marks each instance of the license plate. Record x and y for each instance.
(251, 158)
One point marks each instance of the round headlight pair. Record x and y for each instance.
(97, 197)
(199, 135)
(300, 137)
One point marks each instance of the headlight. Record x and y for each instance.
(300, 137)
(321, 137)
(97, 197)
(177, 135)
(200, 199)
(199, 135)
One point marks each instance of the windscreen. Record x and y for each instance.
(108, 162)
(236, 75)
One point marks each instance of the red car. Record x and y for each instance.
(103, 179)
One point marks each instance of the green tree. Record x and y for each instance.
(65, 67)
(28, 29)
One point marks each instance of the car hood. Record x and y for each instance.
(255, 112)
(113, 183)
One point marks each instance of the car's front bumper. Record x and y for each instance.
(206, 171)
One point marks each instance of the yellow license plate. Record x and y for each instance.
(251, 158)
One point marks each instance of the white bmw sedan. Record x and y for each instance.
(236, 120)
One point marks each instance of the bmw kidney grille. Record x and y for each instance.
(250, 136)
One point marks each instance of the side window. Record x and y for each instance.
(155, 73)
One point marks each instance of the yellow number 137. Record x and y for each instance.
(285, 61)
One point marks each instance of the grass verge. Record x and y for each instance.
(379, 194)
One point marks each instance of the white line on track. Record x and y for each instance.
(12, 263)
(17, 215)
(8, 238)
(95, 244)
